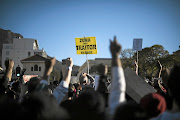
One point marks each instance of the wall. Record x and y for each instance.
(28, 65)
(83, 68)
(19, 51)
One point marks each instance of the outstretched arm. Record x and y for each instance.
(49, 68)
(49, 63)
(159, 66)
(118, 85)
(8, 74)
(102, 86)
(136, 69)
(68, 70)
(9, 67)
(62, 89)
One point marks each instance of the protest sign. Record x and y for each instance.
(86, 45)
(137, 44)
(26, 78)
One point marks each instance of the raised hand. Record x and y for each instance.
(9, 67)
(9, 64)
(65, 67)
(49, 67)
(69, 62)
(159, 64)
(159, 69)
(115, 47)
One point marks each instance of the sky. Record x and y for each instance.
(56, 24)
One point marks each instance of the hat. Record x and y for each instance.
(154, 104)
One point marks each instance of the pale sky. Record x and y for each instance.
(56, 23)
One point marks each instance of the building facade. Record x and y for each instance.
(34, 65)
(21, 48)
(96, 61)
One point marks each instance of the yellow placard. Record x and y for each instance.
(86, 45)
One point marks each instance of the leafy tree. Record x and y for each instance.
(127, 58)
(148, 58)
(127, 53)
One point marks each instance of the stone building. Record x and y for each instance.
(21, 48)
(34, 65)
(96, 61)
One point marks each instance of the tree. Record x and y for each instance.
(127, 53)
(127, 58)
(148, 58)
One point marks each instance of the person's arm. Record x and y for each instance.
(158, 75)
(118, 85)
(62, 89)
(49, 63)
(8, 74)
(91, 78)
(136, 69)
(9, 67)
(48, 68)
(69, 65)
(102, 86)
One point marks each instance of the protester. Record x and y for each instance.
(160, 84)
(173, 84)
(103, 86)
(86, 80)
(7, 77)
(89, 105)
(67, 103)
(42, 106)
(118, 85)
(129, 111)
(9, 107)
(153, 105)
(81, 101)
(62, 89)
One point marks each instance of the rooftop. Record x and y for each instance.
(34, 58)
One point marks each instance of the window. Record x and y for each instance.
(35, 67)
(39, 68)
(7, 47)
(7, 52)
(29, 54)
(31, 68)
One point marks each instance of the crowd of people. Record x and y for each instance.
(35, 100)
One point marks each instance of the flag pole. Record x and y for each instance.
(137, 63)
(87, 62)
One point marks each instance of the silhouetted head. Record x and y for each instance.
(89, 105)
(42, 106)
(33, 83)
(16, 87)
(129, 111)
(165, 76)
(153, 104)
(174, 84)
